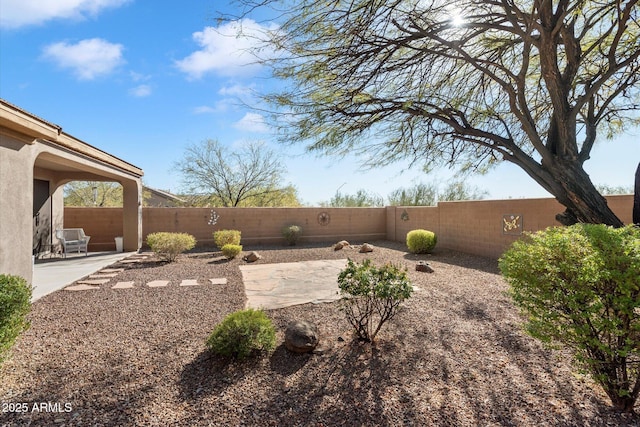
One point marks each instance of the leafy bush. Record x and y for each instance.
(372, 295)
(15, 303)
(243, 334)
(169, 245)
(291, 234)
(226, 237)
(421, 241)
(580, 286)
(231, 251)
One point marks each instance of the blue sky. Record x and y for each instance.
(142, 79)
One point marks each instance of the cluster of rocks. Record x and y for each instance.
(364, 248)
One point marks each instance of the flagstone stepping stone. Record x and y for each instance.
(80, 288)
(123, 285)
(189, 282)
(158, 283)
(103, 275)
(111, 270)
(93, 282)
(219, 281)
(130, 261)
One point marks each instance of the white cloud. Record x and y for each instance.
(140, 91)
(87, 59)
(252, 122)
(236, 90)
(204, 109)
(220, 107)
(20, 13)
(226, 50)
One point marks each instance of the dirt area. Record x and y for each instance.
(454, 356)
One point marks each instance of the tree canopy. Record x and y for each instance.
(250, 176)
(469, 83)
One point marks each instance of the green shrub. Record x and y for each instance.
(291, 234)
(15, 303)
(243, 333)
(579, 286)
(372, 295)
(169, 245)
(226, 237)
(231, 251)
(421, 241)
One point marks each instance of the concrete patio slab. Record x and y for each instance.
(123, 285)
(101, 275)
(189, 282)
(81, 288)
(93, 281)
(53, 274)
(111, 270)
(157, 283)
(271, 286)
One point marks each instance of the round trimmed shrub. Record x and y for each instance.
(231, 251)
(579, 286)
(226, 237)
(243, 333)
(15, 303)
(169, 245)
(421, 241)
(291, 234)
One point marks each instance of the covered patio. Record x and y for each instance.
(36, 159)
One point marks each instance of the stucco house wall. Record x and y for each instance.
(33, 149)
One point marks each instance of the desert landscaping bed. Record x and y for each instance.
(455, 355)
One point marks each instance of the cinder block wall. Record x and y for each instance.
(258, 225)
(475, 227)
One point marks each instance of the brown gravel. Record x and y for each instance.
(455, 356)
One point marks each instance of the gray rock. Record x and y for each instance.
(366, 248)
(341, 244)
(252, 257)
(424, 266)
(301, 336)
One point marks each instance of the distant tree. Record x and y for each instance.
(420, 195)
(608, 190)
(429, 194)
(220, 177)
(93, 193)
(361, 199)
(470, 83)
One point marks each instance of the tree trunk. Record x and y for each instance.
(636, 199)
(573, 188)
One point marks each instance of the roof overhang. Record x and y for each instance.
(28, 128)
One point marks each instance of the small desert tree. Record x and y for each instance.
(234, 178)
(468, 83)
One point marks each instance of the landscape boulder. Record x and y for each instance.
(301, 336)
(366, 248)
(341, 244)
(252, 257)
(424, 266)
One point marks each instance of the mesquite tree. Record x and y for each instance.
(462, 82)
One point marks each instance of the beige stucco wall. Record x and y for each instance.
(474, 227)
(16, 205)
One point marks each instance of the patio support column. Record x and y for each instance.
(132, 214)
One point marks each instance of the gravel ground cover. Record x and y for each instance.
(454, 356)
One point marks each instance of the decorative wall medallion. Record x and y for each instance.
(404, 215)
(324, 218)
(512, 224)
